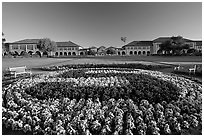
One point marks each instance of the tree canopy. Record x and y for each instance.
(174, 45)
(111, 51)
(46, 45)
(3, 42)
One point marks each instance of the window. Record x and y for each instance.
(72, 48)
(144, 47)
(30, 47)
(23, 47)
(14, 46)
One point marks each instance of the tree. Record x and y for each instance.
(111, 51)
(91, 52)
(46, 45)
(174, 45)
(166, 46)
(123, 39)
(3, 43)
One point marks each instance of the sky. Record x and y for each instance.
(101, 24)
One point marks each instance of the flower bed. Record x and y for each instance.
(126, 65)
(103, 101)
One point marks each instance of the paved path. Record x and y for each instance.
(182, 63)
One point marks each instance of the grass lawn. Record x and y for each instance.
(39, 62)
(146, 58)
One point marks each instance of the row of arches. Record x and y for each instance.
(30, 53)
(135, 53)
(139, 53)
(65, 54)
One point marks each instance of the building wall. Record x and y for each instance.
(137, 50)
(155, 47)
(19, 48)
(67, 51)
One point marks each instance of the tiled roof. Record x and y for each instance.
(67, 44)
(139, 43)
(27, 41)
(103, 47)
(188, 40)
(93, 47)
(162, 39)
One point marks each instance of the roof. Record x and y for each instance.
(27, 41)
(162, 39)
(111, 47)
(101, 47)
(93, 47)
(139, 43)
(67, 44)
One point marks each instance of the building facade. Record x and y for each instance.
(138, 48)
(27, 45)
(71, 49)
(67, 49)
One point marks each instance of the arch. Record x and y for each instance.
(56, 53)
(74, 53)
(139, 52)
(81, 53)
(38, 52)
(191, 51)
(148, 53)
(135, 52)
(61, 53)
(45, 53)
(118, 53)
(16, 53)
(30, 52)
(69, 53)
(65, 53)
(131, 52)
(144, 52)
(22, 53)
(123, 52)
(159, 51)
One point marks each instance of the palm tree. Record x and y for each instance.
(123, 39)
(3, 43)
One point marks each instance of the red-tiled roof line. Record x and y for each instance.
(27, 41)
(67, 44)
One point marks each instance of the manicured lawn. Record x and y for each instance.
(39, 62)
(148, 58)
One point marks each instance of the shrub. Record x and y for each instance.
(36, 55)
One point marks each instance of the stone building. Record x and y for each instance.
(137, 48)
(26, 45)
(67, 49)
(71, 49)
